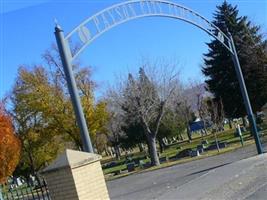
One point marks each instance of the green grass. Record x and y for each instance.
(226, 136)
(184, 160)
(114, 169)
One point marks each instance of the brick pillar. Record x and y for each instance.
(76, 175)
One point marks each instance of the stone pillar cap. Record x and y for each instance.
(72, 159)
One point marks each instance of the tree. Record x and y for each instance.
(196, 95)
(10, 146)
(101, 142)
(217, 114)
(33, 102)
(99, 122)
(219, 68)
(63, 114)
(43, 113)
(144, 99)
(172, 125)
(217, 117)
(133, 134)
(116, 121)
(184, 109)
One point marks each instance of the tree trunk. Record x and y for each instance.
(141, 147)
(117, 152)
(216, 140)
(161, 145)
(153, 151)
(244, 121)
(29, 181)
(33, 172)
(106, 151)
(230, 123)
(110, 150)
(202, 134)
(188, 134)
(38, 179)
(181, 137)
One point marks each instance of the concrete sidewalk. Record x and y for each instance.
(244, 179)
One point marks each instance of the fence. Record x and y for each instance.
(34, 190)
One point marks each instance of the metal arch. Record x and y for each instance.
(86, 38)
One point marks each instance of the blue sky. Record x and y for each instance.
(27, 30)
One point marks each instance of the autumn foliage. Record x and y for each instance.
(9, 146)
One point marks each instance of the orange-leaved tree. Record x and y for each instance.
(9, 146)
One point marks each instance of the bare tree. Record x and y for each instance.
(217, 117)
(184, 109)
(115, 132)
(145, 97)
(116, 121)
(201, 96)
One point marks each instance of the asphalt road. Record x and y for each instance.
(261, 193)
(158, 183)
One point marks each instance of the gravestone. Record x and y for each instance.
(163, 159)
(147, 164)
(194, 153)
(201, 146)
(117, 172)
(201, 150)
(243, 129)
(141, 164)
(222, 145)
(214, 146)
(184, 153)
(205, 142)
(130, 167)
(173, 158)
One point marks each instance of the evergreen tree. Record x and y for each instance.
(134, 133)
(219, 67)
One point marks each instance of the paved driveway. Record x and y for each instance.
(151, 185)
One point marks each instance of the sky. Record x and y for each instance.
(27, 30)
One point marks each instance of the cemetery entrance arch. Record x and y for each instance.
(96, 25)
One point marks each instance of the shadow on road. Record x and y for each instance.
(201, 171)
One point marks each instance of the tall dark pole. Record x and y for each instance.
(245, 96)
(64, 52)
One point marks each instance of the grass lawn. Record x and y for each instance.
(225, 136)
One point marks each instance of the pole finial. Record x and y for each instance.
(56, 22)
(57, 27)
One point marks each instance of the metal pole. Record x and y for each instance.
(65, 58)
(245, 96)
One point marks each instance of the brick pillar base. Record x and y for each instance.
(76, 175)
